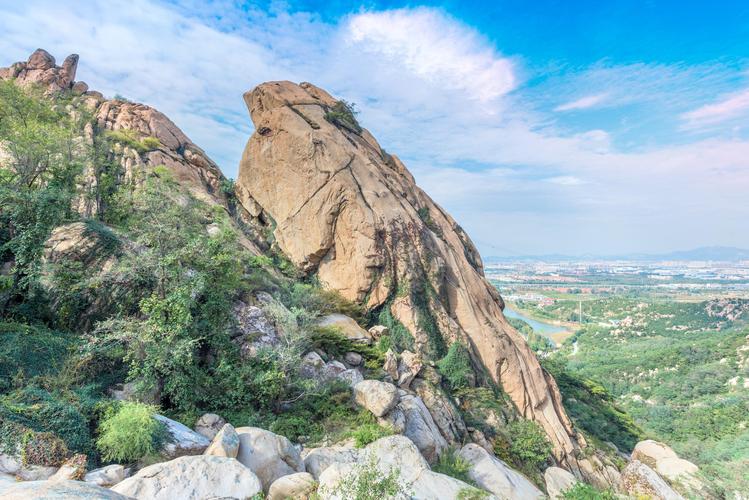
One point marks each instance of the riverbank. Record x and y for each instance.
(556, 331)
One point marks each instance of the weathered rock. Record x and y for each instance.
(444, 414)
(353, 358)
(396, 453)
(41, 70)
(107, 476)
(62, 490)
(254, 330)
(352, 376)
(73, 468)
(313, 366)
(191, 478)
(391, 365)
(317, 460)
(209, 424)
(347, 326)
(377, 397)
(181, 440)
(299, 486)
(225, 443)
(666, 462)
(353, 215)
(128, 392)
(639, 479)
(412, 418)
(268, 455)
(558, 481)
(13, 464)
(378, 331)
(495, 476)
(409, 365)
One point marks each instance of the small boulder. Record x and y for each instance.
(64, 489)
(107, 476)
(181, 440)
(80, 88)
(639, 479)
(347, 326)
(317, 460)
(558, 481)
(268, 455)
(353, 358)
(73, 468)
(495, 476)
(377, 397)
(191, 478)
(378, 331)
(209, 424)
(667, 463)
(225, 443)
(299, 486)
(409, 366)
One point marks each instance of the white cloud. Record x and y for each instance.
(565, 180)
(589, 101)
(727, 108)
(436, 47)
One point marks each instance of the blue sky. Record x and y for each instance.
(543, 127)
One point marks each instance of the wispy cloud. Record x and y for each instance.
(586, 102)
(732, 106)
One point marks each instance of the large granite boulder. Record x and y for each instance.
(60, 490)
(191, 478)
(412, 418)
(225, 443)
(181, 440)
(299, 486)
(108, 475)
(268, 455)
(351, 214)
(495, 476)
(640, 479)
(667, 463)
(558, 481)
(316, 460)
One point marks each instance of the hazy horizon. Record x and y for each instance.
(609, 129)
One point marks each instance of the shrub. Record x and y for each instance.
(369, 433)
(528, 443)
(367, 482)
(583, 491)
(472, 494)
(456, 367)
(453, 465)
(27, 351)
(43, 448)
(130, 433)
(343, 114)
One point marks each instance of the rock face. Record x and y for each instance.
(41, 69)
(640, 479)
(268, 455)
(191, 478)
(495, 476)
(344, 209)
(63, 490)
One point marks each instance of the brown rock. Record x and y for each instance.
(352, 214)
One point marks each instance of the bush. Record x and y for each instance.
(583, 491)
(453, 465)
(456, 367)
(528, 443)
(367, 482)
(343, 114)
(130, 433)
(43, 448)
(369, 433)
(27, 351)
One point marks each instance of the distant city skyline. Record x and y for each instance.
(603, 128)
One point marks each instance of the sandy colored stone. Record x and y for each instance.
(299, 486)
(352, 214)
(639, 479)
(377, 397)
(60, 490)
(225, 443)
(268, 455)
(495, 476)
(558, 481)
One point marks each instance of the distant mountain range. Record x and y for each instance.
(714, 253)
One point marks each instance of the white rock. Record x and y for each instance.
(268, 455)
(106, 476)
(191, 478)
(299, 486)
(492, 474)
(59, 490)
(318, 459)
(558, 481)
(225, 443)
(209, 424)
(181, 439)
(377, 397)
(639, 479)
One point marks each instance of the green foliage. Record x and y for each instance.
(343, 114)
(43, 448)
(368, 482)
(130, 433)
(400, 338)
(584, 491)
(426, 218)
(528, 443)
(472, 494)
(132, 139)
(453, 465)
(369, 433)
(28, 351)
(456, 367)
